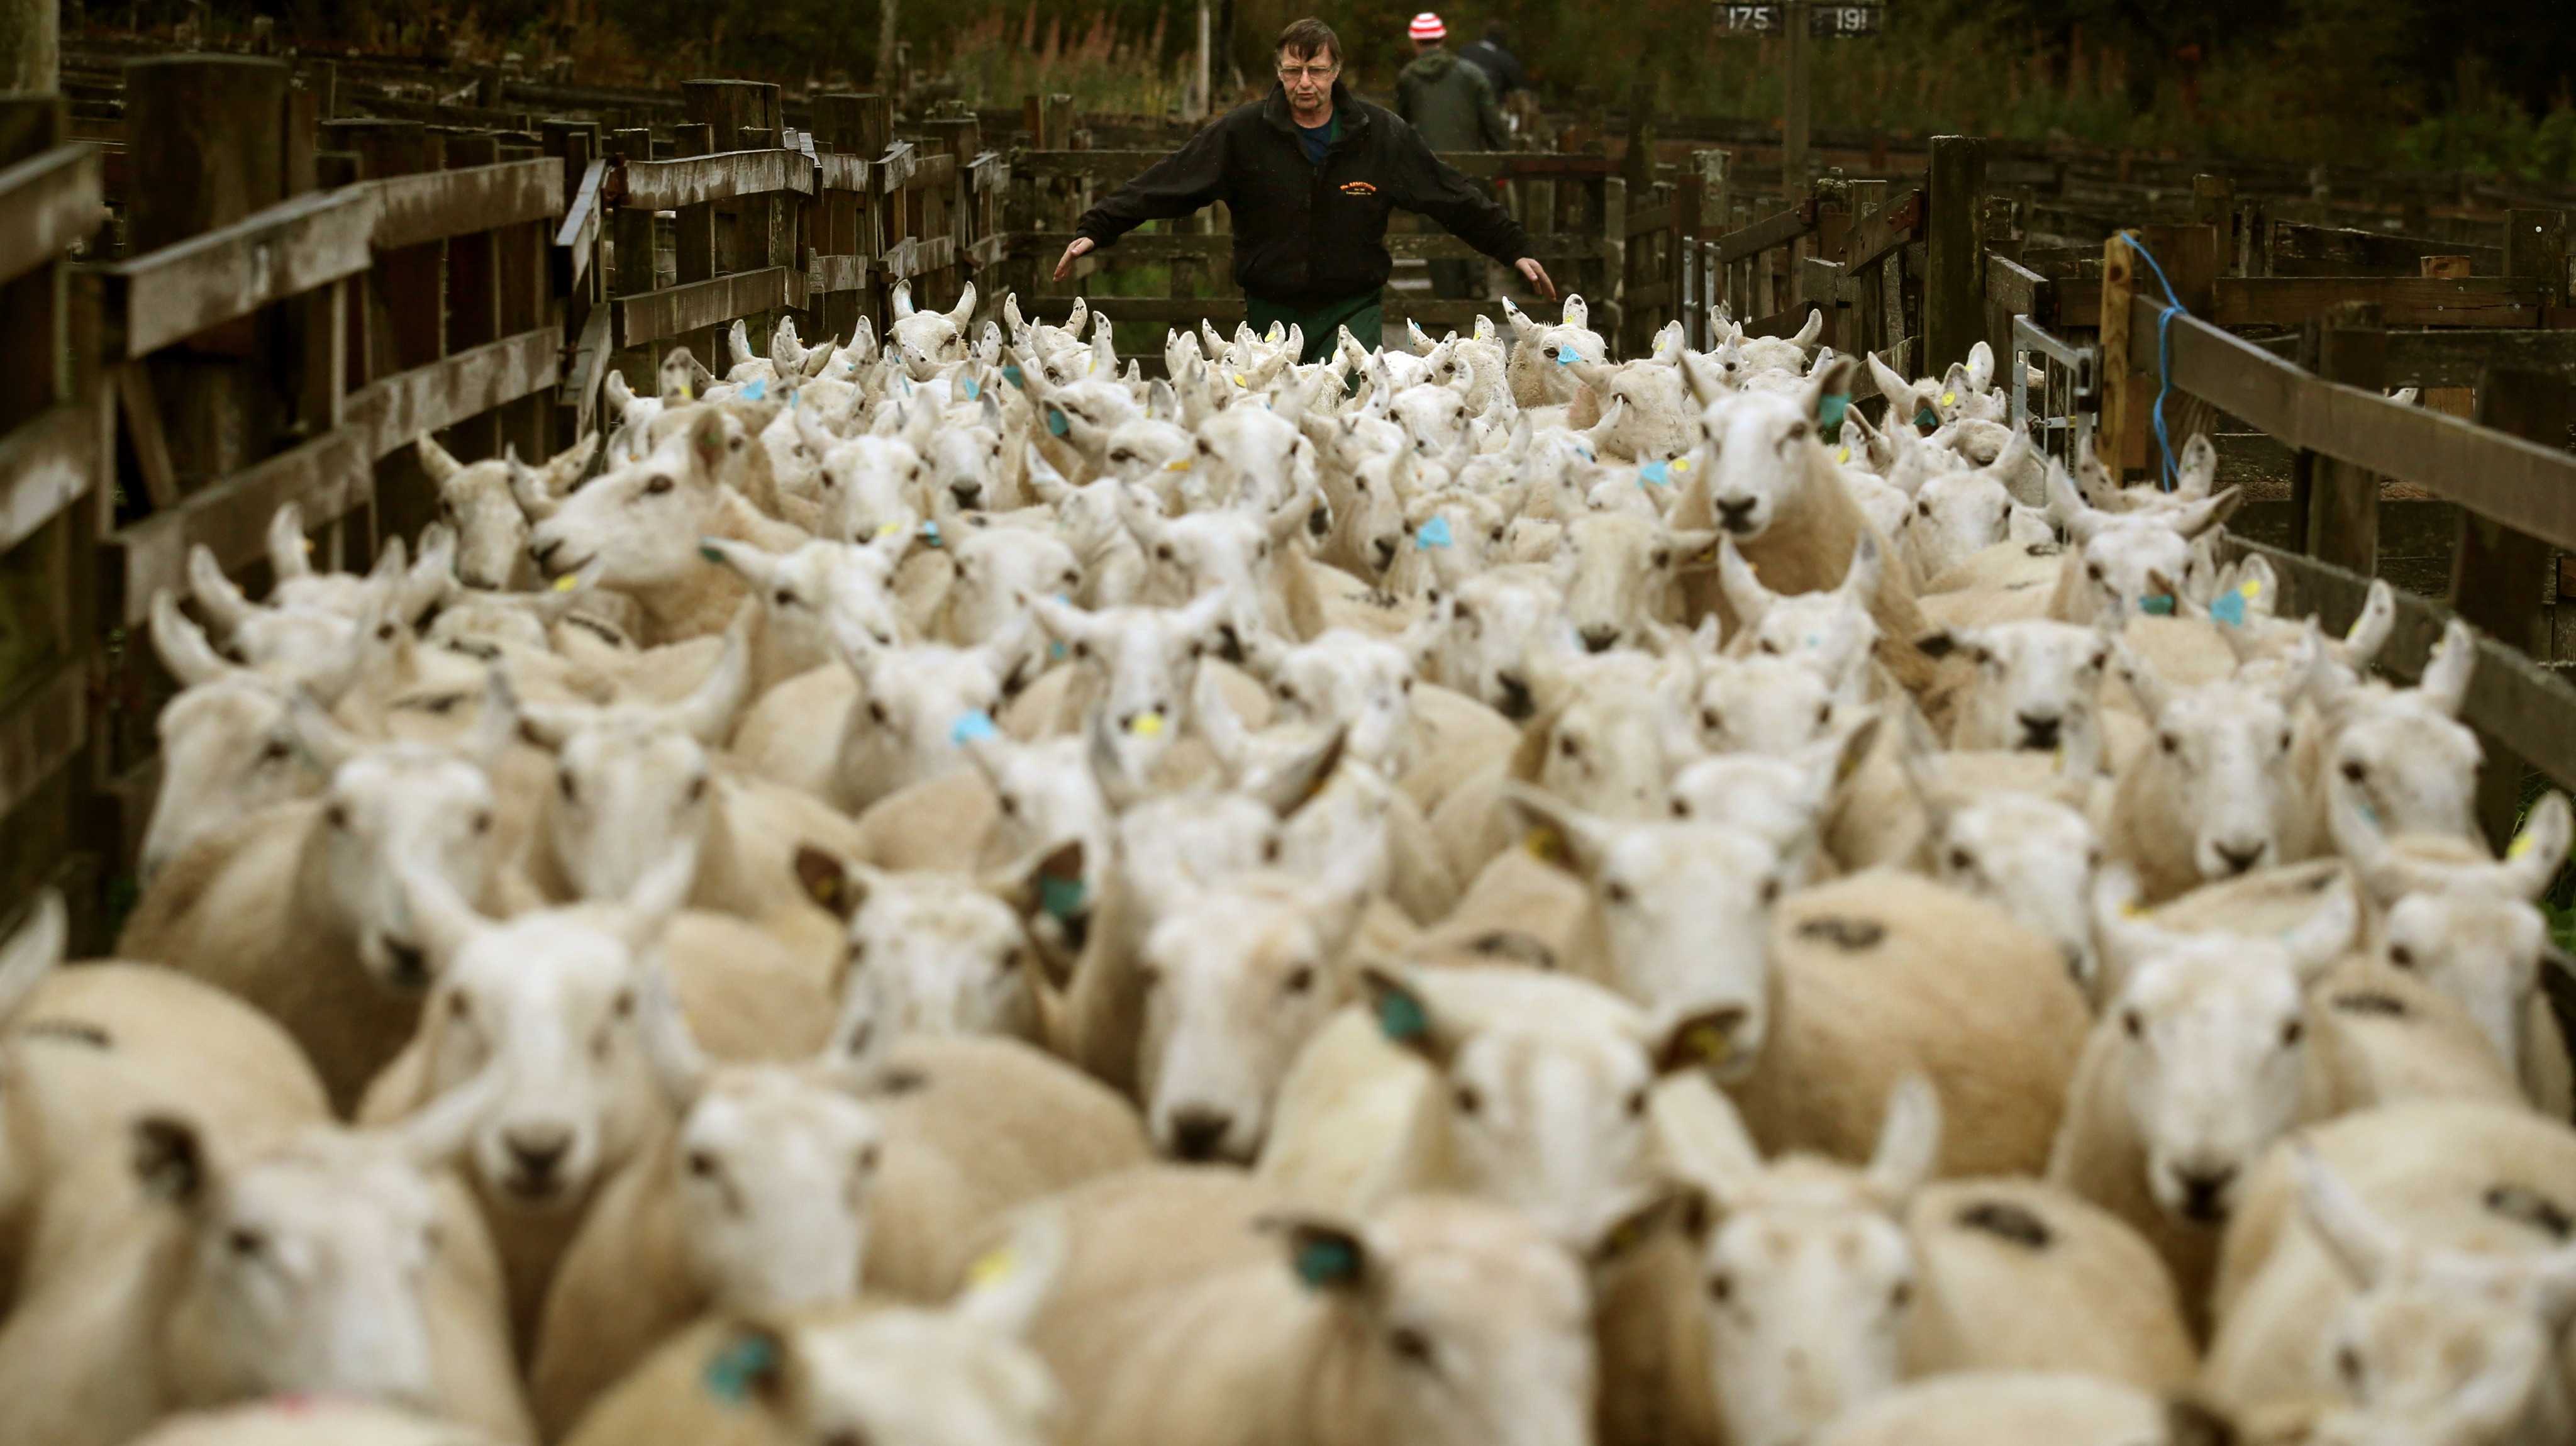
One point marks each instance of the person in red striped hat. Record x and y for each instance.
(1450, 104)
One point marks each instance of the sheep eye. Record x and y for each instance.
(1636, 1103)
(2168, 743)
(1709, 719)
(1469, 1101)
(1770, 647)
(697, 788)
(2401, 956)
(276, 751)
(1617, 893)
(702, 1164)
(786, 597)
(1301, 979)
(876, 711)
(2094, 571)
(1900, 1295)
(244, 1241)
(336, 815)
(1663, 557)
(1721, 1288)
(1962, 860)
(565, 786)
(2133, 1024)
(2355, 770)
(1411, 1346)
(2292, 1032)
(1009, 803)
(657, 486)
(1122, 455)
(1681, 808)
(1770, 892)
(1163, 552)
(1568, 747)
(481, 822)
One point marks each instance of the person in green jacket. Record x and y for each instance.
(1450, 104)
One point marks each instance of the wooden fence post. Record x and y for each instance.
(2500, 577)
(693, 237)
(2111, 439)
(1954, 284)
(2535, 247)
(2338, 502)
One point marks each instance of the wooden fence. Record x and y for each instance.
(235, 300)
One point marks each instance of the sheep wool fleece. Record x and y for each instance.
(1364, 315)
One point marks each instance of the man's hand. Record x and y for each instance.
(1082, 246)
(1530, 271)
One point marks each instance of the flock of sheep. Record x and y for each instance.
(1470, 895)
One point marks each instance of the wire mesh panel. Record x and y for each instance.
(2060, 411)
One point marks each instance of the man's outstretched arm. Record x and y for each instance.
(1178, 184)
(1466, 209)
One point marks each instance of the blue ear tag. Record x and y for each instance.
(971, 727)
(1565, 356)
(1322, 1261)
(930, 533)
(2158, 605)
(1830, 408)
(1656, 473)
(1434, 533)
(1928, 418)
(1055, 422)
(1400, 1016)
(755, 389)
(1013, 375)
(1062, 898)
(974, 389)
(731, 1371)
(2229, 609)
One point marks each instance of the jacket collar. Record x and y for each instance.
(1346, 106)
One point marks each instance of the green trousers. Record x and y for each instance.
(1364, 315)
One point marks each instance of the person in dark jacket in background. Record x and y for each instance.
(1310, 173)
(1451, 106)
(1502, 68)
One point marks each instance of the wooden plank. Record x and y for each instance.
(2303, 250)
(393, 411)
(926, 173)
(1167, 246)
(698, 180)
(577, 239)
(208, 280)
(1114, 167)
(1954, 291)
(2346, 345)
(47, 202)
(40, 732)
(991, 171)
(658, 315)
(1648, 221)
(2454, 358)
(142, 410)
(2402, 300)
(2112, 442)
(2520, 484)
(589, 369)
(435, 205)
(2019, 290)
(1872, 237)
(844, 173)
(326, 477)
(1762, 235)
(836, 273)
(2529, 708)
(48, 464)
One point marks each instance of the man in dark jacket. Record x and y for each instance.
(1310, 173)
(1502, 68)
(1451, 107)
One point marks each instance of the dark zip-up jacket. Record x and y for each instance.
(1307, 235)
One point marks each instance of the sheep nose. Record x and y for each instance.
(1517, 703)
(2038, 733)
(1385, 551)
(410, 966)
(536, 1151)
(1598, 639)
(2241, 858)
(2204, 1193)
(1197, 1134)
(969, 495)
(1736, 517)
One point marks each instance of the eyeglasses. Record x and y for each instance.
(1308, 72)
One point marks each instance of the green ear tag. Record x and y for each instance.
(710, 554)
(2157, 604)
(731, 1371)
(1060, 897)
(1400, 1016)
(1928, 418)
(1830, 408)
(1323, 1261)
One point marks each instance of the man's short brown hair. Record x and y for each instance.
(1309, 37)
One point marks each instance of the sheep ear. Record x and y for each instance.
(2379, 867)
(1981, 366)
(287, 554)
(215, 592)
(1831, 381)
(1909, 1142)
(1009, 1284)
(2361, 1245)
(1682, 1208)
(2126, 933)
(2199, 467)
(1811, 332)
(1556, 832)
(828, 879)
(707, 714)
(1327, 1254)
(1046, 890)
(1868, 564)
(1297, 782)
(679, 1065)
(903, 300)
(2199, 517)
(1704, 1039)
(182, 645)
(2324, 936)
(33, 951)
(2369, 632)
(1942, 642)
(1744, 591)
(170, 1160)
(1400, 1003)
(963, 313)
(2144, 682)
(2445, 685)
(2540, 850)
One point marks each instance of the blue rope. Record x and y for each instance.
(2164, 355)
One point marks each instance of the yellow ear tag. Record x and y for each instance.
(889, 529)
(567, 582)
(2252, 589)
(993, 1267)
(1545, 844)
(1706, 1043)
(1681, 464)
(308, 545)
(1147, 725)
(1949, 399)
(1843, 456)
(2521, 845)
(1177, 464)
(1239, 381)
(688, 393)
(2132, 910)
